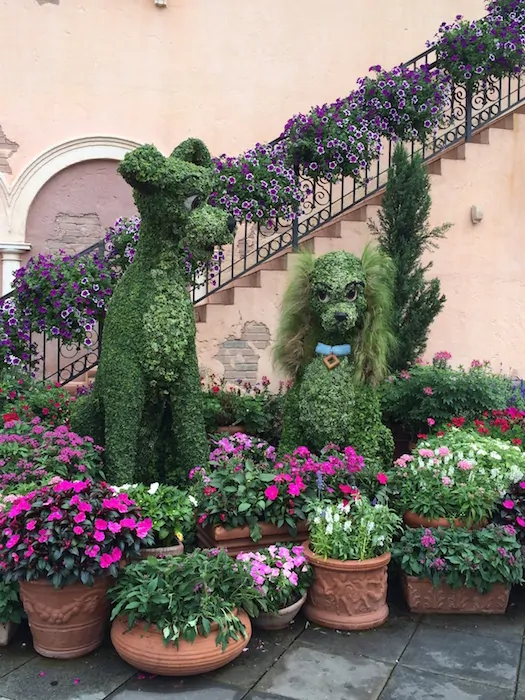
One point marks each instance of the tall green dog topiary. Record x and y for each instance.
(333, 341)
(148, 372)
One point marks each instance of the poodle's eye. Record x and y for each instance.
(322, 295)
(192, 202)
(351, 293)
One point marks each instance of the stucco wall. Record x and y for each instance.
(229, 71)
(73, 209)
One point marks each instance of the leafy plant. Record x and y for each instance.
(29, 398)
(460, 475)
(281, 573)
(187, 596)
(69, 531)
(171, 511)
(10, 605)
(507, 425)
(460, 557)
(405, 236)
(439, 392)
(510, 511)
(352, 531)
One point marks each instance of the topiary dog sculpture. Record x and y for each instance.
(148, 373)
(333, 342)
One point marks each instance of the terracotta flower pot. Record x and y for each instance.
(413, 520)
(347, 595)
(231, 429)
(68, 622)
(146, 651)
(174, 551)
(7, 631)
(423, 597)
(281, 619)
(237, 539)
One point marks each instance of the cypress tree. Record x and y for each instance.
(404, 235)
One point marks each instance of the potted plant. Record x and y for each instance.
(454, 478)
(63, 543)
(182, 616)
(283, 575)
(171, 512)
(349, 551)
(455, 570)
(10, 611)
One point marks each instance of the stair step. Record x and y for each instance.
(224, 297)
(504, 123)
(456, 153)
(280, 263)
(251, 280)
(200, 313)
(331, 231)
(358, 214)
(482, 137)
(434, 168)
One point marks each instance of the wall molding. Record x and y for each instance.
(16, 200)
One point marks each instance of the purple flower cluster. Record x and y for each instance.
(259, 186)
(405, 103)
(16, 348)
(121, 242)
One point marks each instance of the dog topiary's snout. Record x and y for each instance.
(231, 223)
(340, 316)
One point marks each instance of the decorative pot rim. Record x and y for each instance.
(145, 550)
(152, 626)
(224, 534)
(290, 608)
(411, 515)
(419, 579)
(362, 565)
(48, 583)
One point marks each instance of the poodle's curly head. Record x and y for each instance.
(337, 295)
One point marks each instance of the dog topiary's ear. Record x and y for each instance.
(144, 168)
(375, 340)
(193, 151)
(295, 338)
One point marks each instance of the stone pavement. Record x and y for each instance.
(409, 658)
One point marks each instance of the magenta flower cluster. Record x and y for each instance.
(69, 531)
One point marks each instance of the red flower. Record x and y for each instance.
(347, 490)
(382, 478)
(10, 416)
(216, 389)
(516, 441)
(458, 422)
(45, 411)
(440, 433)
(422, 436)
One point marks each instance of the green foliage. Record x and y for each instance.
(148, 367)
(184, 596)
(460, 475)
(438, 392)
(171, 511)
(28, 398)
(460, 557)
(404, 235)
(10, 605)
(354, 531)
(338, 405)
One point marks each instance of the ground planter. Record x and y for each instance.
(7, 631)
(231, 429)
(238, 539)
(413, 520)
(159, 552)
(68, 622)
(281, 619)
(423, 597)
(347, 595)
(145, 650)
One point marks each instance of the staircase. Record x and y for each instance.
(236, 307)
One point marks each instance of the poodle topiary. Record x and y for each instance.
(333, 341)
(147, 397)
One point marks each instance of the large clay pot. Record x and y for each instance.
(423, 597)
(145, 650)
(347, 595)
(237, 539)
(174, 551)
(67, 622)
(281, 619)
(413, 520)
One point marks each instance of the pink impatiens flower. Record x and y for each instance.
(101, 524)
(105, 561)
(114, 527)
(428, 391)
(508, 504)
(431, 421)
(98, 535)
(130, 523)
(143, 528)
(92, 550)
(382, 478)
(78, 530)
(520, 521)
(271, 492)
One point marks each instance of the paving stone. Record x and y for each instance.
(157, 687)
(18, 653)
(256, 696)
(520, 694)
(508, 627)
(305, 673)
(264, 649)
(386, 643)
(472, 657)
(408, 683)
(98, 675)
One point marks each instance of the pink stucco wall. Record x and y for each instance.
(74, 208)
(229, 71)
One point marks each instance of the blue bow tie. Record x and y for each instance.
(337, 350)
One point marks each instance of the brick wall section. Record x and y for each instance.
(74, 232)
(240, 356)
(7, 148)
